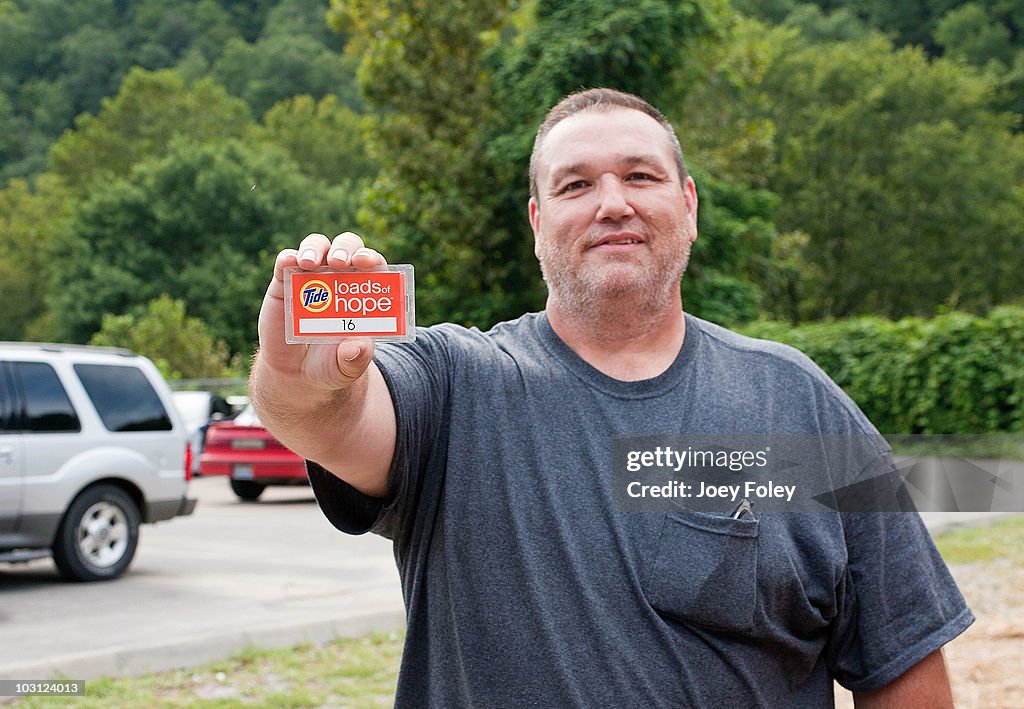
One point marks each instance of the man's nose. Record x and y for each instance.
(614, 201)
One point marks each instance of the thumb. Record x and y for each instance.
(353, 358)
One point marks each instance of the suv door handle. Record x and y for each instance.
(6, 454)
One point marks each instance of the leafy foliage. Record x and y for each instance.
(201, 225)
(179, 345)
(886, 153)
(61, 59)
(956, 373)
(26, 251)
(151, 110)
(433, 200)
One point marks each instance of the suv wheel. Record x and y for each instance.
(99, 534)
(247, 489)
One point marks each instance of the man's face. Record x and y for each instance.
(611, 217)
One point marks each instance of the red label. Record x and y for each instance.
(353, 303)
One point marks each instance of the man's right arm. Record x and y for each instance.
(328, 403)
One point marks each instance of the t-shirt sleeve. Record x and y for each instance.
(415, 374)
(899, 602)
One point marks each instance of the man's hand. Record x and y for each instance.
(330, 366)
(327, 402)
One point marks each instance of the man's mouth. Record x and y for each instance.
(618, 241)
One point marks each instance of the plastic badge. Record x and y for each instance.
(326, 305)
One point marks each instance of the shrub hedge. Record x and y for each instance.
(953, 374)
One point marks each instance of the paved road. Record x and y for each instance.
(272, 574)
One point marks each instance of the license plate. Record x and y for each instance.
(242, 472)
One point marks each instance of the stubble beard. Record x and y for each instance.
(610, 288)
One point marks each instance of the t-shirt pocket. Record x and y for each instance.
(704, 570)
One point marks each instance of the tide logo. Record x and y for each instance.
(315, 296)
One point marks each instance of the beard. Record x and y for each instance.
(592, 288)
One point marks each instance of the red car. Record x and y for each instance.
(243, 450)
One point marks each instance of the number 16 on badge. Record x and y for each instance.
(326, 305)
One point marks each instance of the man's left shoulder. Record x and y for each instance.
(751, 348)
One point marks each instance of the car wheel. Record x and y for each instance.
(247, 490)
(98, 536)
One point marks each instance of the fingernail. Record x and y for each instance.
(357, 351)
(341, 255)
(308, 255)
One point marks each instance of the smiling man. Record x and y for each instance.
(613, 228)
(488, 459)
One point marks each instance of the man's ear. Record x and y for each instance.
(534, 209)
(690, 200)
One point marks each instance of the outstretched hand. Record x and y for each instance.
(322, 366)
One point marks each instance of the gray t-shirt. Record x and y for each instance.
(525, 586)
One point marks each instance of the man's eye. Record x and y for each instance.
(635, 176)
(574, 185)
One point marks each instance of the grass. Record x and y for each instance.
(362, 672)
(991, 446)
(1002, 540)
(355, 673)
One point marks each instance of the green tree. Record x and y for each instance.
(432, 201)
(725, 124)
(730, 265)
(326, 139)
(28, 220)
(328, 143)
(972, 34)
(60, 60)
(180, 346)
(281, 66)
(902, 175)
(93, 64)
(151, 110)
(201, 224)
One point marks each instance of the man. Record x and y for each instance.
(487, 458)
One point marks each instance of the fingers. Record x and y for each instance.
(309, 255)
(312, 251)
(348, 250)
(316, 250)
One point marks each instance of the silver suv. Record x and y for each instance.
(90, 446)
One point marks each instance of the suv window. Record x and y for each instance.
(47, 406)
(124, 398)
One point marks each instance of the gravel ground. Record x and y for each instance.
(986, 663)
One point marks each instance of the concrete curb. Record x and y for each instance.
(197, 649)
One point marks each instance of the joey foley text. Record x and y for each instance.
(713, 464)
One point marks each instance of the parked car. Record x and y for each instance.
(91, 446)
(252, 458)
(198, 410)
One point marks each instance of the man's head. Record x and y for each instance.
(601, 100)
(614, 211)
